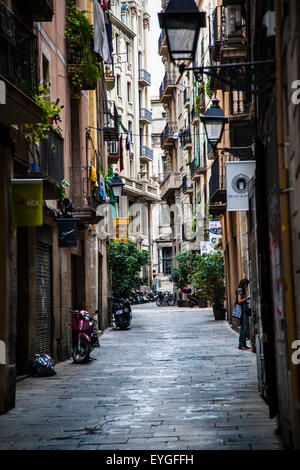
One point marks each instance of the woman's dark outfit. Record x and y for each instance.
(244, 305)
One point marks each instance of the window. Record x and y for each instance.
(117, 44)
(128, 52)
(118, 85)
(46, 71)
(129, 92)
(167, 260)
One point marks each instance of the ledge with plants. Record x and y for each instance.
(84, 65)
(37, 132)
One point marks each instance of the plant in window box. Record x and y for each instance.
(37, 132)
(84, 67)
(109, 79)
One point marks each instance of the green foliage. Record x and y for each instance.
(181, 276)
(208, 89)
(39, 131)
(209, 277)
(126, 262)
(62, 193)
(79, 33)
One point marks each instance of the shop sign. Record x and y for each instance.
(215, 232)
(67, 232)
(206, 247)
(121, 230)
(26, 197)
(238, 175)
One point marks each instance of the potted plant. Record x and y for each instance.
(84, 68)
(37, 132)
(209, 277)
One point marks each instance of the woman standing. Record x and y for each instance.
(242, 299)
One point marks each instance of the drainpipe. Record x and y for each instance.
(286, 239)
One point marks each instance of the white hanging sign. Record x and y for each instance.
(238, 175)
(206, 247)
(215, 232)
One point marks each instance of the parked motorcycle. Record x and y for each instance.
(165, 299)
(121, 310)
(197, 300)
(84, 335)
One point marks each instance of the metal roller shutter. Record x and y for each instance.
(44, 315)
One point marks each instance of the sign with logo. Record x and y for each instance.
(206, 247)
(215, 232)
(238, 175)
(67, 232)
(26, 197)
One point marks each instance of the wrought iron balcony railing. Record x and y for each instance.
(52, 157)
(186, 138)
(110, 121)
(187, 184)
(168, 134)
(18, 53)
(168, 81)
(145, 115)
(145, 76)
(186, 95)
(146, 152)
(217, 182)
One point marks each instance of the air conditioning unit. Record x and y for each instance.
(233, 21)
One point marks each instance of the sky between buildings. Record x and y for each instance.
(155, 65)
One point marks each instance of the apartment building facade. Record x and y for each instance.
(44, 273)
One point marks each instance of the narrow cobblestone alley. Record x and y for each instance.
(175, 380)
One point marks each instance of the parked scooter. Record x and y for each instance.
(121, 310)
(84, 335)
(197, 300)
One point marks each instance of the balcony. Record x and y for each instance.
(239, 103)
(144, 78)
(217, 187)
(187, 185)
(51, 165)
(162, 44)
(169, 184)
(113, 152)
(198, 167)
(145, 116)
(228, 41)
(187, 97)
(167, 87)
(140, 188)
(18, 70)
(216, 37)
(146, 154)
(110, 121)
(85, 195)
(168, 136)
(186, 139)
(37, 10)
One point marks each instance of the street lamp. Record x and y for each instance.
(214, 121)
(117, 186)
(182, 22)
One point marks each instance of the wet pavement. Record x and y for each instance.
(174, 380)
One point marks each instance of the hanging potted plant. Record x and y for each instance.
(84, 68)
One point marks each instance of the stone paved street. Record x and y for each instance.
(175, 380)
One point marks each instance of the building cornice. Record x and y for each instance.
(121, 26)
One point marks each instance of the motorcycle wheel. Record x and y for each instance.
(171, 302)
(158, 302)
(123, 324)
(82, 354)
(192, 303)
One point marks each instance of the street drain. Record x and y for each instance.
(196, 358)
